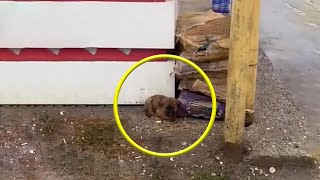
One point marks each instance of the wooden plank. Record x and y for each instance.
(48, 24)
(254, 53)
(240, 32)
(82, 82)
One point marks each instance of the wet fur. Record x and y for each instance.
(162, 107)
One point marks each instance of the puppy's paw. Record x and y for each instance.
(172, 120)
(148, 115)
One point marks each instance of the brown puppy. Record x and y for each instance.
(162, 107)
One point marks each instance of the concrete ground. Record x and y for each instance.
(290, 37)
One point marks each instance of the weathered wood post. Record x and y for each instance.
(239, 59)
(254, 52)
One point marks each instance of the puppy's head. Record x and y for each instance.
(170, 106)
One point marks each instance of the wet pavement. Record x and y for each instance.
(289, 35)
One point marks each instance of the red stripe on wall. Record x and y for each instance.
(76, 54)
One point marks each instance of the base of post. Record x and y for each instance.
(249, 117)
(233, 151)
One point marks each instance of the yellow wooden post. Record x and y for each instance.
(239, 55)
(254, 52)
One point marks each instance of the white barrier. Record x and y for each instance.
(82, 82)
(37, 24)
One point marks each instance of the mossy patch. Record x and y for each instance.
(68, 160)
(49, 125)
(208, 176)
(95, 134)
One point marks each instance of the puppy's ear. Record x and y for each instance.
(178, 103)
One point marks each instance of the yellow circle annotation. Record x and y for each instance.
(116, 111)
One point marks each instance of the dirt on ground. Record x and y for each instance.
(83, 142)
(72, 142)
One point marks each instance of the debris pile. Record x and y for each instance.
(202, 37)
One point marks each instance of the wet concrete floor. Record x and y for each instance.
(290, 36)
